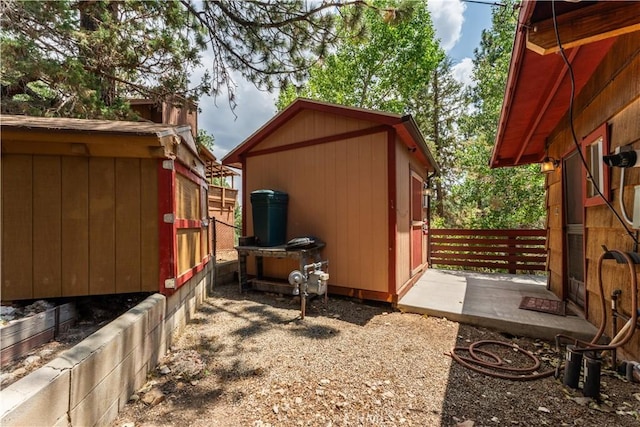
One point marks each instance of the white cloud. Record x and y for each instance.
(254, 108)
(447, 17)
(463, 72)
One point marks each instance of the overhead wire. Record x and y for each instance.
(489, 3)
(572, 126)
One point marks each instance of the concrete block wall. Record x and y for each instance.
(226, 272)
(89, 384)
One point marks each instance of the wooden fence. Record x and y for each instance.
(496, 250)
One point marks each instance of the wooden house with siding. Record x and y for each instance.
(93, 207)
(355, 179)
(601, 42)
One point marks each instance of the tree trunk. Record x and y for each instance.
(437, 141)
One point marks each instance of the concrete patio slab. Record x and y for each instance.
(491, 301)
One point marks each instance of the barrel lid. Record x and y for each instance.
(267, 192)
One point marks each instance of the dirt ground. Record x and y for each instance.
(248, 360)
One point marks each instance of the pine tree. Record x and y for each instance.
(85, 58)
(485, 197)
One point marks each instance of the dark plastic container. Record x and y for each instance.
(269, 208)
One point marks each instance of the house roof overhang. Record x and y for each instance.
(538, 90)
(405, 127)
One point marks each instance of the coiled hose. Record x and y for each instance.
(496, 366)
(492, 365)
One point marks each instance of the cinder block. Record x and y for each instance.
(184, 291)
(138, 379)
(173, 302)
(152, 341)
(177, 321)
(101, 398)
(39, 399)
(96, 377)
(108, 348)
(63, 421)
(110, 414)
(157, 307)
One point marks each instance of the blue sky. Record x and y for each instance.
(458, 25)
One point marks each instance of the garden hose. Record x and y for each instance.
(495, 366)
(492, 365)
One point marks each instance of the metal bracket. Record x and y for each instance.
(169, 218)
(168, 165)
(170, 283)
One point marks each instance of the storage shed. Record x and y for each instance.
(355, 179)
(92, 207)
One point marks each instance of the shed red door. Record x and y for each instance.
(417, 221)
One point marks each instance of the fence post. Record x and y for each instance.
(512, 264)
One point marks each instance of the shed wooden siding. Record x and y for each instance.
(612, 95)
(58, 241)
(337, 191)
(192, 241)
(405, 164)
(308, 125)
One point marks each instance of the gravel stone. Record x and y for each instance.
(153, 397)
(380, 370)
(32, 360)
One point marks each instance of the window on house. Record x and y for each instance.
(594, 146)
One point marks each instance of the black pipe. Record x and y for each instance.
(592, 367)
(572, 367)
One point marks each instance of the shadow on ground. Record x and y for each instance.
(362, 313)
(485, 399)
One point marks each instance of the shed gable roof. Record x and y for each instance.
(405, 125)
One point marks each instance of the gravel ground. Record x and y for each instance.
(247, 360)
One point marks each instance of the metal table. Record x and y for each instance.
(305, 255)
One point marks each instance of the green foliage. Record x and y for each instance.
(205, 139)
(237, 221)
(83, 58)
(495, 198)
(491, 67)
(483, 197)
(438, 109)
(79, 58)
(383, 67)
(396, 65)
